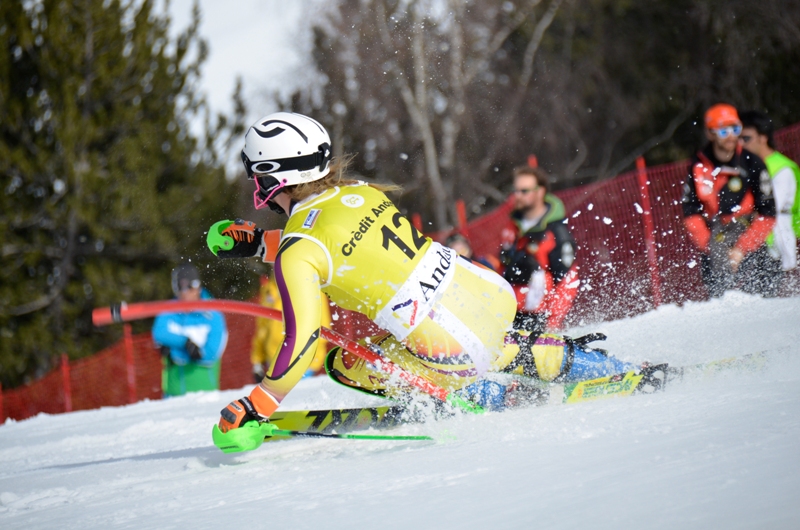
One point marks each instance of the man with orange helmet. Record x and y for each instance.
(729, 209)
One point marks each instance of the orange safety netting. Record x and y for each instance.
(606, 219)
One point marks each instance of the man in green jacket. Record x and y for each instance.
(757, 137)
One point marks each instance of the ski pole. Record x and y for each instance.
(308, 434)
(124, 312)
(252, 434)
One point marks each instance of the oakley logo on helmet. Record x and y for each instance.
(266, 167)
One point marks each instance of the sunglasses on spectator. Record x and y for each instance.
(526, 191)
(745, 138)
(730, 130)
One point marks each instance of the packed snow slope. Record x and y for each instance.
(718, 453)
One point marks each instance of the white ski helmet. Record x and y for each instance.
(284, 149)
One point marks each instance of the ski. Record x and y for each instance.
(340, 420)
(604, 387)
(751, 361)
(521, 391)
(252, 434)
(524, 391)
(527, 391)
(645, 381)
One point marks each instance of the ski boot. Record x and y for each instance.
(654, 378)
(519, 394)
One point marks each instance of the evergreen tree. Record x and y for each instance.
(104, 187)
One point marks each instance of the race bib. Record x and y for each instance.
(415, 298)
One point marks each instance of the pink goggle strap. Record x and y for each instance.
(260, 203)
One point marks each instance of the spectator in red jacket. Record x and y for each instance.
(729, 210)
(539, 254)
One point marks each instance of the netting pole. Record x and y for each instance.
(416, 220)
(649, 230)
(2, 415)
(461, 211)
(129, 362)
(66, 384)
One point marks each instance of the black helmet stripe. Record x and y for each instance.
(276, 131)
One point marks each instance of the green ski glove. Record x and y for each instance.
(236, 239)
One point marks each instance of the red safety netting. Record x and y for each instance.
(130, 371)
(606, 219)
(92, 382)
(44, 395)
(236, 370)
(101, 378)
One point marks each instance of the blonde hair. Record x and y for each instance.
(335, 177)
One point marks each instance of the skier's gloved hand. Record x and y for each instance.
(243, 239)
(258, 372)
(237, 413)
(248, 240)
(193, 350)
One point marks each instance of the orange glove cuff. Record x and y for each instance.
(264, 402)
(272, 240)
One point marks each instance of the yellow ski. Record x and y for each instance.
(603, 387)
(339, 420)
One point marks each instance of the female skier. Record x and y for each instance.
(447, 319)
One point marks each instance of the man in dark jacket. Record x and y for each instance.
(539, 253)
(729, 210)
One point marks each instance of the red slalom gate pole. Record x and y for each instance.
(66, 384)
(123, 312)
(649, 230)
(130, 367)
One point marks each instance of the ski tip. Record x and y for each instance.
(386, 437)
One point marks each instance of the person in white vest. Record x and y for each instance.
(758, 137)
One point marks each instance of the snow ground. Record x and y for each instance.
(717, 453)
